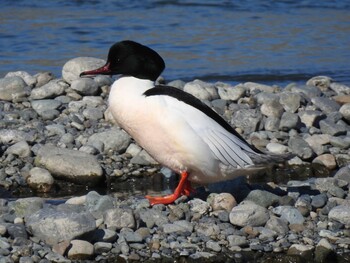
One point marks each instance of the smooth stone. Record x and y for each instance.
(152, 217)
(325, 104)
(272, 109)
(341, 99)
(113, 139)
(93, 114)
(102, 247)
(40, 180)
(50, 90)
(343, 174)
(340, 213)
(40, 106)
(80, 250)
(300, 147)
(72, 68)
(222, 201)
(319, 201)
(207, 230)
(28, 79)
(130, 236)
(289, 121)
(12, 88)
(290, 214)
(103, 80)
(247, 119)
(321, 82)
(262, 198)
(85, 86)
(327, 160)
(342, 142)
(278, 225)
(345, 111)
(249, 213)
(201, 90)
(133, 149)
(228, 92)
(72, 165)
(236, 240)
(118, 218)
(17, 231)
(55, 129)
(266, 97)
(311, 118)
(20, 149)
(317, 141)
(276, 148)
(53, 226)
(290, 101)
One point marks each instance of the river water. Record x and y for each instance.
(274, 42)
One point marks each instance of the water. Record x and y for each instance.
(273, 42)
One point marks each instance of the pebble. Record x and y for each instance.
(12, 88)
(248, 213)
(201, 90)
(52, 89)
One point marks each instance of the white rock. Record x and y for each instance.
(201, 90)
(40, 179)
(80, 250)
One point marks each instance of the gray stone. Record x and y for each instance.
(222, 201)
(340, 88)
(199, 206)
(85, 86)
(317, 142)
(54, 226)
(276, 148)
(290, 101)
(290, 214)
(213, 245)
(323, 250)
(311, 117)
(201, 90)
(102, 247)
(40, 180)
(72, 69)
(12, 88)
(151, 217)
(50, 90)
(20, 149)
(343, 174)
(342, 142)
(300, 147)
(181, 226)
(252, 86)
(71, 165)
(289, 121)
(103, 80)
(278, 225)
(272, 109)
(228, 92)
(345, 111)
(308, 91)
(262, 198)
(207, 230)
(17, 231)
(322, 82)
(130, 236)
(93, 114)
(272, 124)
(118, 218)
(303, 204)
(319, 201)
(43, 78)
(26, 206)
(143, 158)
(28, 79)
(179, 84)
(80, 250)
(114, 139)
(249, 213)
(325, 104)
(40, 106)
(266, 97)
(236, 240)
(247, 119)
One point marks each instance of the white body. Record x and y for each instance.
(176, 134)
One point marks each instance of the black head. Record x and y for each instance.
(130, 58)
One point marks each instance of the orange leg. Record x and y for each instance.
(183, 188)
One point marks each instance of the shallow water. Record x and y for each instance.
(271, 42)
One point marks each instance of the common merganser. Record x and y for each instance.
(174, 127)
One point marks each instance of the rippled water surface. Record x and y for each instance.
(234, 41)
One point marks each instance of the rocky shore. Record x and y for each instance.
(58, 132)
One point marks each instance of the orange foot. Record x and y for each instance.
(183, 188)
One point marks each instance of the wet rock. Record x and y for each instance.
(290, 101)
(322, 82)
(80, 250)
(53, 226)
(71, 165)
(201, 90)
(50, 90)
(40, 180)
(249, 213)
(300, 147)
(222, 201)
(262, 198)
(340, 213)
(228, 92)
(12, 88)
(113, 139)
(85, 86)
(327, 160)
(118, 218)
(72, 69)
(20, 149)
(290, 214)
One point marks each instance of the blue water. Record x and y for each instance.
(272, 42)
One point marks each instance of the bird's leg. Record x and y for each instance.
(183, 188)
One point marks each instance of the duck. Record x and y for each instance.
(177, 129)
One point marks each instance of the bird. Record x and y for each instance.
(177, 129)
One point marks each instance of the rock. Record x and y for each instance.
(72, 69)
(311, 118)
(343, 174)
(305, 251)
(17, 231)
(130, 236)
(222, 201)
(151, 217)
(272, 124)
(53, 226)
(228, 92)
(93, 114)
(345, 111)
(102, 247)
(325, 104)
(321, 82)
(327, 160)
(340, 213)
(341, 99)
(47, 105)
(118, 218)
(276, 148)
(40, 180)
(324, 251)
(113, 139)
(26, 206)
(143, 158)
(319, 201)
(252, 86)
(28, 79)
(290, 214)
(262, 198)
(342, 142)
(248, 213)
(72, 165)
(80, 250)
(199, 206)
(20, 149)
(278, 225)
(290, 101)
(12, 88)
(85, 86)
(235, 240)
(340, 88)
(272, 109)
(181, 226)
(201, 90)
(207, 230)
(300, 147)
(50, 90)
(289, 121)
(247, 119)
(212, 245)
(43, 78)
(303, 204)
(317, 142)
(308, 91)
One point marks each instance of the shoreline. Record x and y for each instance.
(59, 130)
